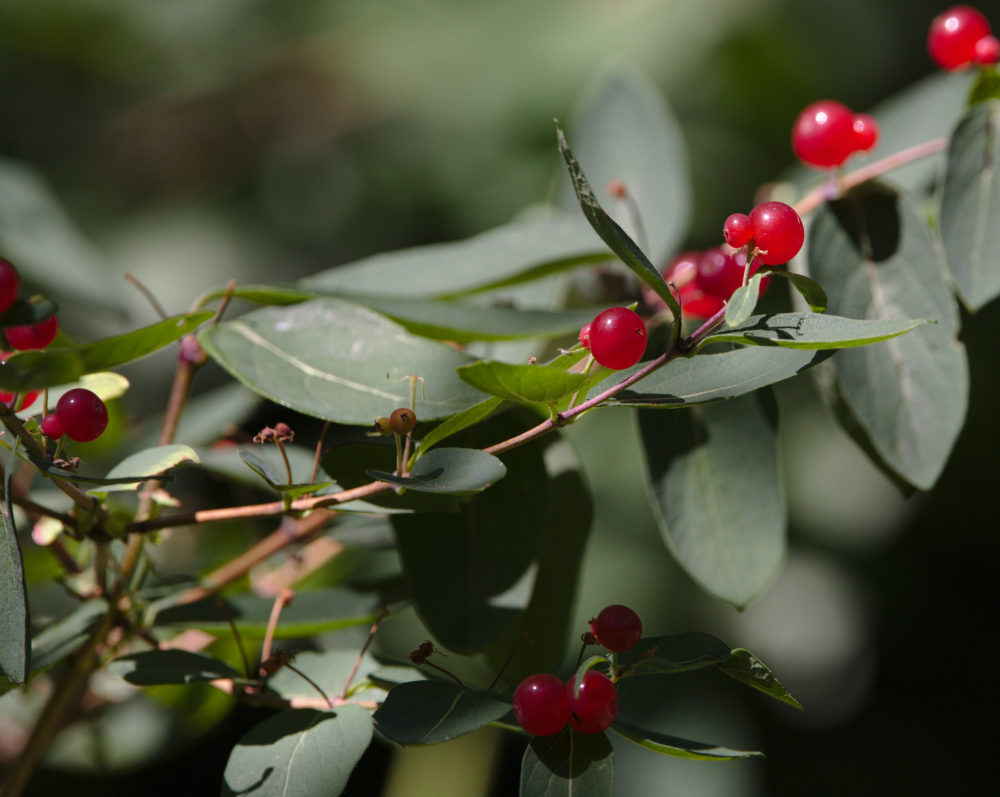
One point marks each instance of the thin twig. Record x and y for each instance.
(319, 451)
(280, 602)
(383, 613)
(148, 294)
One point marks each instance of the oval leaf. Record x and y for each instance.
(745, 667)
(145, 465)
(153, 667)
(810, 290)
(339, 361)
(299, 753)
(906, 398)
(970, 205)
(527, 384)
(713, 475)
(713, 377)
(812, 331)
(29, 370)
(449, 470)
(743, 301)
(568, 764)
(665, 655)
(429, 712)
(680, 748)
(525, 249)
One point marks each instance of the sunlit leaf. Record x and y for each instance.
(745, 667)
(522, 383)
(449, 470)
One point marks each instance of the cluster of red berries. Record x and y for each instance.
(80, 414)
(961, 37)
(543, 704)
(771, 234)
(827, 133)
(616, 338)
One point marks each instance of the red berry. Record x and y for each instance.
(987, 50)
(540, 704)
(595, 707)
(52, 426)
(585, 336)
(82, 414)
(679, 271)
(720, 273)
(33, 336)
(695, 303)
(26, 401)
(617, 338)
(738, 230)
(952, 38)
(10, 284)
(865, 132)
(823, 135)
(777, 231)
(617, 628)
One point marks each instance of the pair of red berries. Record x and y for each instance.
(80, 415)
(543, 704)
(616, 338)
(29, 336)
(827, 133)
(961, 37)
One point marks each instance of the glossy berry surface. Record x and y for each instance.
(540, 704)
(777, 231)
(402, 421)
(952, 38)
(617, 338)
(738, 230)
(617, 628)
(823, 134)
(10, 284)
(865, 132)
(987, 50)
(585, 336)
(33, 336)
(595, 707)
(52, 426)
(82, 414)
(720, 273)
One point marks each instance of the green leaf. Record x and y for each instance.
(970, 205)
(329, 670)
(713, 477)
(449, 470)
(666, 655)
(680, 748)
(713, 377)
(610, 232)
(522, 383)
(568, 764)
(34, 370)
(145, 465)
(812, 331)
(57, 640)
(459, 421)
(745, 667)
(153, 667)
(15, 648)
(547, 618)
(623, 130)
(275, 480)
(525, 249)
(467, 568)
(810, 290)
(464, 322)
(299, 753)
(339, 361)
(430, 712)
(986, 87)
(259, 294)
(310, 613)
(906, 399)
(743, 301)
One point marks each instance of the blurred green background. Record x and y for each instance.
(189, 142)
